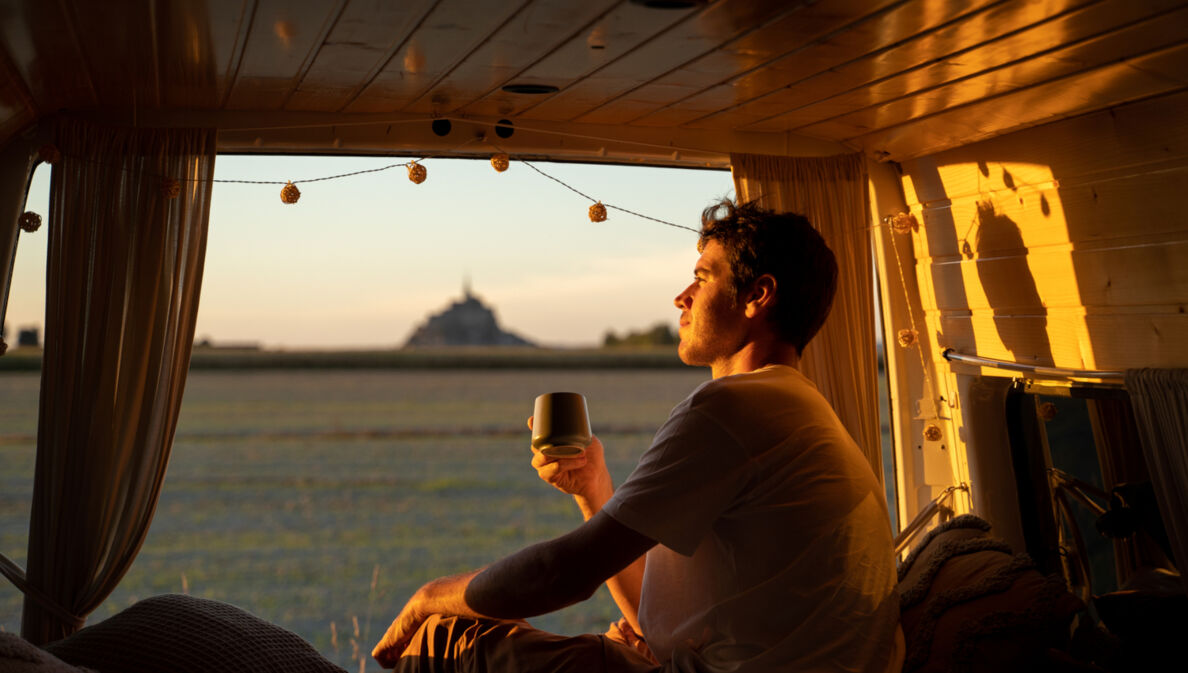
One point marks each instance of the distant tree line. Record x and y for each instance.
(660, 334)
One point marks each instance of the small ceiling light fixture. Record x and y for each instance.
(504, 128)
(441, 127)
(530, 89)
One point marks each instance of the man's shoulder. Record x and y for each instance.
(773, 380)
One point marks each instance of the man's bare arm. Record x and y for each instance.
(538, 579)
(555, 574)
(588, 480)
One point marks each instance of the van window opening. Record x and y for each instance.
(340, 269)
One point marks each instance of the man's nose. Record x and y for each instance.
(682, 300)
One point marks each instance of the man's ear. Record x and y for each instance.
(761, 296)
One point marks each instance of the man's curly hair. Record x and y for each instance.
(786, 246)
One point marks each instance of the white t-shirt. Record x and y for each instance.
(775, 546)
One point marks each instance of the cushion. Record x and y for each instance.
(174, 633)
(18, 655)
(967, 603)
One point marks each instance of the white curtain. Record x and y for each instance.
(16, 166)
(123, 274)
(1160, 401)
(832, 193)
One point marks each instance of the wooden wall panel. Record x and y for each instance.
(1107, 210)
(1066, 245)
(1069, 338)
(1142, 138)
(1156, 74)
(1148, 274)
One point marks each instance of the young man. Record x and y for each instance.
(752, 536)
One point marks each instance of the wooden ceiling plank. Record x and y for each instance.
(280, 46)
(45, 53)
(363, 41)
(700, 33)
(119, 62)
(1153, 34)
(17, 105)
(619, 31)
(542, 27)
(333, 15)
(803, 36)
(1160, 73)
(797, 26)
(199, 49)
(243, 31)
(870, 34)
(856, 90)
(689, 110)
(451, 32)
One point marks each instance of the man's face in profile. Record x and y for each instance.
(711, 324)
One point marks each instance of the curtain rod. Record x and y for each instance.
(953, 356)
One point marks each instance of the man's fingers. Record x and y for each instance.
(386, 654)
(388, 650)
(541, 461)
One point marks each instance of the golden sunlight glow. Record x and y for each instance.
(999, 264)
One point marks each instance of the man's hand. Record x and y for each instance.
(621, 631)
(584, 476)
(442, 596)
(387, 652)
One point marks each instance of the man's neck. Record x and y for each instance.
(756, 355)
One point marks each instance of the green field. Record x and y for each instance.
(320, 499)
(452, 357)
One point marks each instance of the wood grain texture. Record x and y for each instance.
(1075, 254)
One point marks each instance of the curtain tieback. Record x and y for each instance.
(17, 576)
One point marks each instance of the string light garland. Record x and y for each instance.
(932, 432)
(170, 188)
(417, 173)
(29, 221)
(907, 338)
(904, 223)
(289, 193)
(624, 210)
(1047, 411)
(930, 391)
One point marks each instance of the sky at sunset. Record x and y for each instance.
(359, 262)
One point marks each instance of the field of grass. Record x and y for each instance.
(320, 499)
(477, 357)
